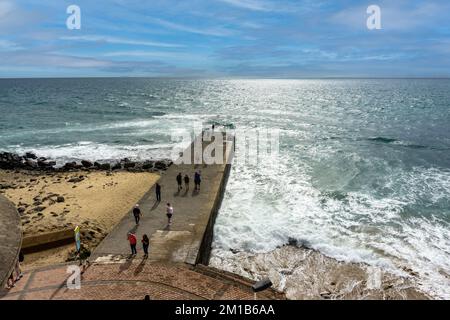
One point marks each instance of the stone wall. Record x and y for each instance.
(10, 238)
(205, 247)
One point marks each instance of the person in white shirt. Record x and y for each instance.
(169, 213)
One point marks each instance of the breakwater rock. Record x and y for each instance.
(30, 161)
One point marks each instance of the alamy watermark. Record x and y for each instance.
(209, 146)
(374, 20)
(73, 22)
(74, 280)
(374, 278)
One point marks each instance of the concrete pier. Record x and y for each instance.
(189, 237)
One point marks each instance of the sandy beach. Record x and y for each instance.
(48, 202)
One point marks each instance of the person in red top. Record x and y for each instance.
(132, 239)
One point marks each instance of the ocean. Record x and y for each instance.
(363, 170)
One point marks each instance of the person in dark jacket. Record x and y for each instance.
(158, 192)
(145, 244)
(197, 180)
(137, 214)
(186, 182)
(179, 181)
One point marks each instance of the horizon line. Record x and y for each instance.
(231, 78)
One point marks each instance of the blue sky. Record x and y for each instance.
(225, 38)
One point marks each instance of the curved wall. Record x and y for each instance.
(10, 238)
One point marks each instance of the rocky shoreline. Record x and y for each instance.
(30, 161)
(306, 274)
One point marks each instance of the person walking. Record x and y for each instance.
(158, 192)
(145, 244)
(169, 213)
(197, 180)
(133, 240)
(179, 181)
(186, 182)
(137, 213)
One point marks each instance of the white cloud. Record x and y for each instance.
(114, 40)
(13, 17)
(6, 45)
(152, 54)
(256, 5)
(44, 59)
(218, 32)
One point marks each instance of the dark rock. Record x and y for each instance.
(105, 166)
(147, 165)
(60, 199)
(292, 242)
(21, 210)
(128, 165)
(45, 164)
(86, 164)
(39, 208)
(117, 166)
(10, 161)
(75, 179)
(70, 165)
(161, 165)
(31, 164)
(31, 155)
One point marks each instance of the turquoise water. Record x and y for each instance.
(363, 171)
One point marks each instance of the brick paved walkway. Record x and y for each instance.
(132, 280)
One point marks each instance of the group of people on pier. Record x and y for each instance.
(197, 181)
(137, 213)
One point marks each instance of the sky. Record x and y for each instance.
(225, 39)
